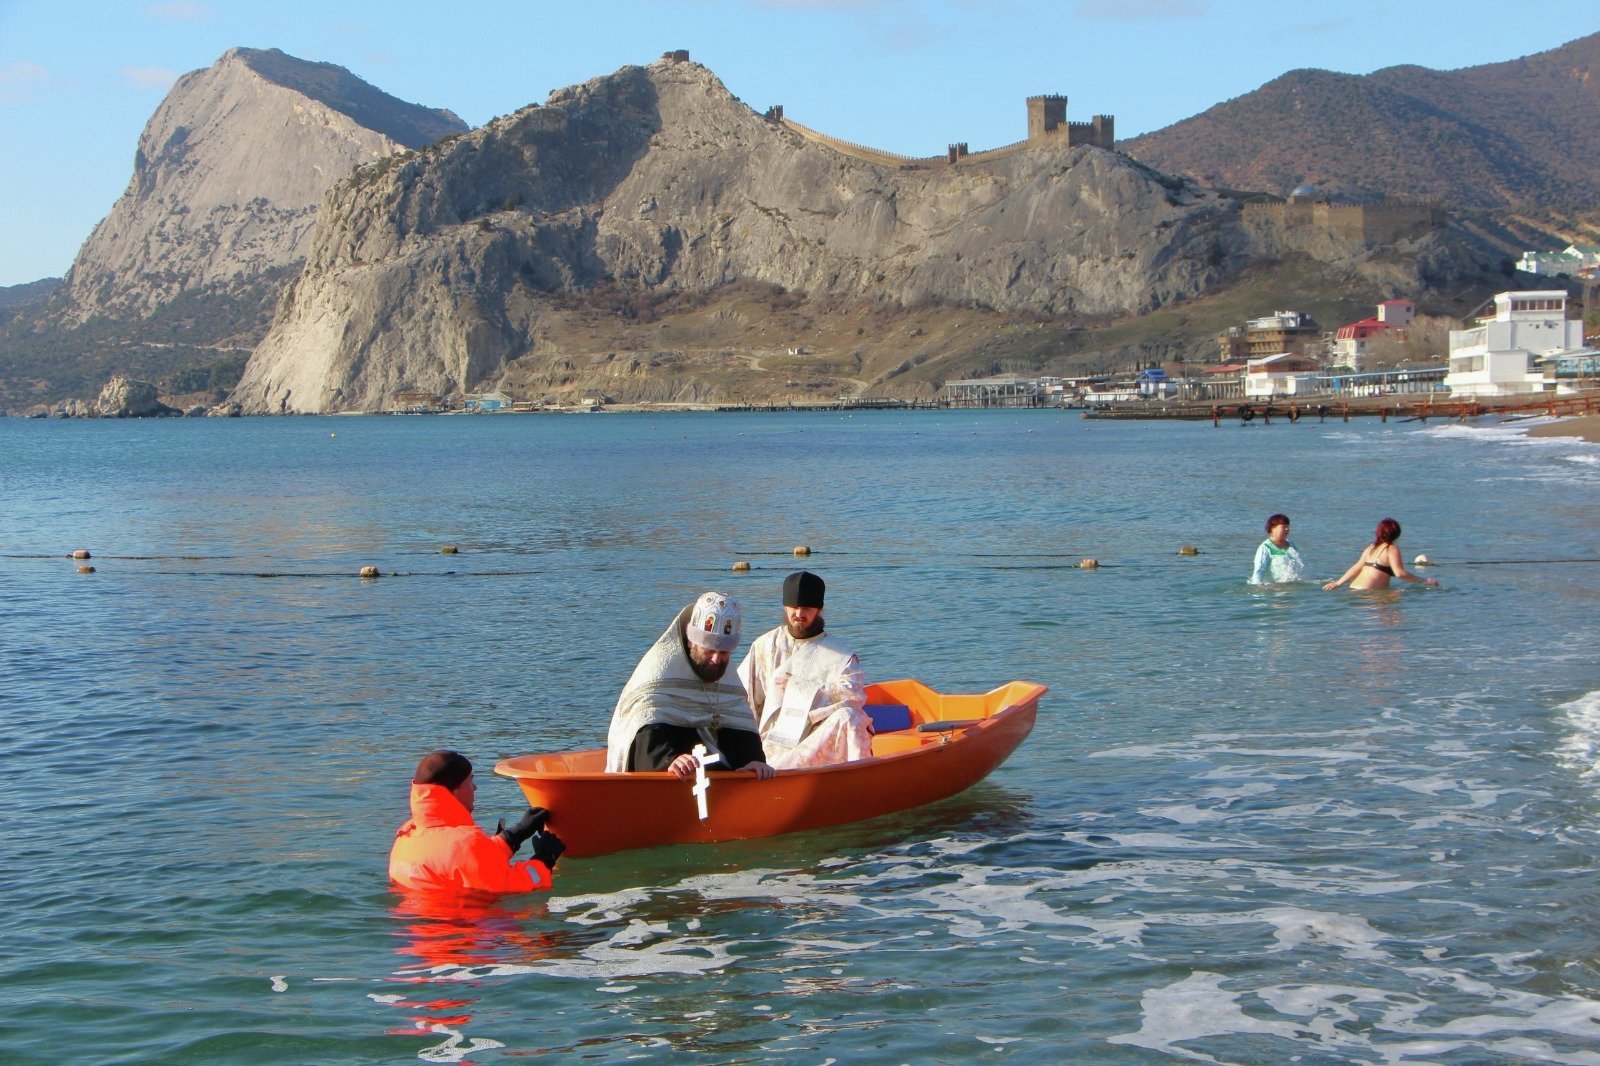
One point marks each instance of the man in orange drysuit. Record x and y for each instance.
(442, 849)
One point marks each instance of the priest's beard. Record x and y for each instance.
(799, 633)
(708, 672)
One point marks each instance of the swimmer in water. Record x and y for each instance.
(1276, 559)
(1379, 563)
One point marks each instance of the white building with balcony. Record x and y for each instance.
(1501, 356)
(1284, 374)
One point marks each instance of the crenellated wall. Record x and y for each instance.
(1382, 223)
(1047, 126)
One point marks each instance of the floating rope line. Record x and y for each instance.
(127, 558)
(986, 561)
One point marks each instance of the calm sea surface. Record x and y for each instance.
(1250, 827)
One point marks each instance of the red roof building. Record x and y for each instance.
(1351, 340)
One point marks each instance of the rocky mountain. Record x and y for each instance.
(645, 236)
(229, 173)
(1520, 134)
(227, 180)
(459, 266)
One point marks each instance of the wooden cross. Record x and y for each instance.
(701, 758)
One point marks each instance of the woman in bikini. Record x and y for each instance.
(1380, 562)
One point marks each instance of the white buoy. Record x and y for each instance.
(369, 571)
(1421, 560)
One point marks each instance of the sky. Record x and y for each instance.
(79, 80)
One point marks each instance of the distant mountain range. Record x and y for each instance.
(646, 236)
(1523, 134)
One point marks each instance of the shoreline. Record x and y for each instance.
(1584, 427)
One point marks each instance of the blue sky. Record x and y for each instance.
(78, 81)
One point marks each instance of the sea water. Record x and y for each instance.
(1252, 825)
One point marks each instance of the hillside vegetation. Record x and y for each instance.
(1523, 134)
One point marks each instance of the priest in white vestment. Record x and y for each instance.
(805, 686)
(678, 697)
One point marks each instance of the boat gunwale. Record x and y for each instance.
(504, 768)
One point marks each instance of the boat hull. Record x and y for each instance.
(595, 813)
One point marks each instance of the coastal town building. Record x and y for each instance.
(1504, 355)
(1350, 340)
(1573, 261)
(488, 401)
(414, 401)
(1009, 390)
(1283, 374)
(1292, 332)
(1154, 384)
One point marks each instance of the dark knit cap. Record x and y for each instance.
(442, 767)
(803, 589)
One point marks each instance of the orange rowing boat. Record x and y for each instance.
(928, 746)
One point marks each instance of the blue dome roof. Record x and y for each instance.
(1305, 191)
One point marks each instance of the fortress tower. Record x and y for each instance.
(1046, 114)
(1047, 124)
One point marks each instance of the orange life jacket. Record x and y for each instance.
(441, 849)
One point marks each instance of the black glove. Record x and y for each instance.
(528, 825)
(547, 848)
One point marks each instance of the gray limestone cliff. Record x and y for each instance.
(228, 177)
(432, 270)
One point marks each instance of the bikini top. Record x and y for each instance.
(1382, 568)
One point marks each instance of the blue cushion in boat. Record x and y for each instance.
(888, 717)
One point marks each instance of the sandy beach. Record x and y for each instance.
(1586, 427)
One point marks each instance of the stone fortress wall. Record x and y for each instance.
(1047, 125)
(1374, 224)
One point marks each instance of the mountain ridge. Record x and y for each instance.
(496, 249)
(659, 178)
(447, 270)
(1514, 134)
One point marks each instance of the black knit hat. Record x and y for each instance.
(443, 767)
(803, 589)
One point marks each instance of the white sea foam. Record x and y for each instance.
(1194, 1008)
(1355, 1023)
(1581, 748)
(639, 949)
(457, 1047)
(1514, 432)
(1185, 814)
(1142, 841)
